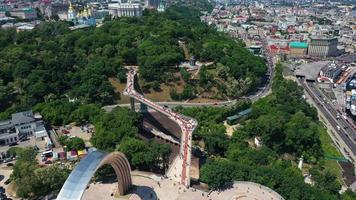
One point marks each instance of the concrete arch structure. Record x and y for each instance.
(75, 185)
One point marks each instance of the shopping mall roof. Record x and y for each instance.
(298, 45)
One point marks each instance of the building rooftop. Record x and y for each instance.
(22, 117)
(245, 112)
(302, 45)
(351, 84)
(26, 10)
(240, 114)
(40, 131)
(124, 5)
(347, 58)
(5, 124)
(322, 37)
(310, 70)
(331, 68)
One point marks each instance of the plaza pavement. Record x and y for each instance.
(147, 187)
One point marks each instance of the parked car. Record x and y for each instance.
(10, 164)
(48, 162)
(2, 190)
(13, 144)
(7, 182)
(3, 196)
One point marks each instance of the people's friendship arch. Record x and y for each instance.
(75, 185)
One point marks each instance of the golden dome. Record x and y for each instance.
(70, 7)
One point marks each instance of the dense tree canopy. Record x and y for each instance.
(210, 128)
(152, 156)
(112, 127)
(288, 127)
(72, 143)
(64, 75)
(285, 122)
(62, 112)
(51, 62)
(215, 174)
(33, 181)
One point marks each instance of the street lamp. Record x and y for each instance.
(65, 152)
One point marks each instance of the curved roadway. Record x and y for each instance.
(187, 125)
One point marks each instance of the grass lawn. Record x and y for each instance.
(334, 167)
(331, 151)
(328, 145)
(157, 96)
(162, 95)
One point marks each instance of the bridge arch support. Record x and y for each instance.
(120, 164)
(76, 183)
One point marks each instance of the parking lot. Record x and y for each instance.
(5, 173)
(84, 132)
(6, 167)
(30, 142)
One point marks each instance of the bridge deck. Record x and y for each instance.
(187, 125)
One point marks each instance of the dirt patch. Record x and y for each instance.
(10, 188)
(230, 129)
(164, 93)
(82, 132)
(194, 170)
(156, 96)
(119, 88)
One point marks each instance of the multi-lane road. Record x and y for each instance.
(182, 163)
(345, 135)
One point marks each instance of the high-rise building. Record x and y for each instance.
(320, 46)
